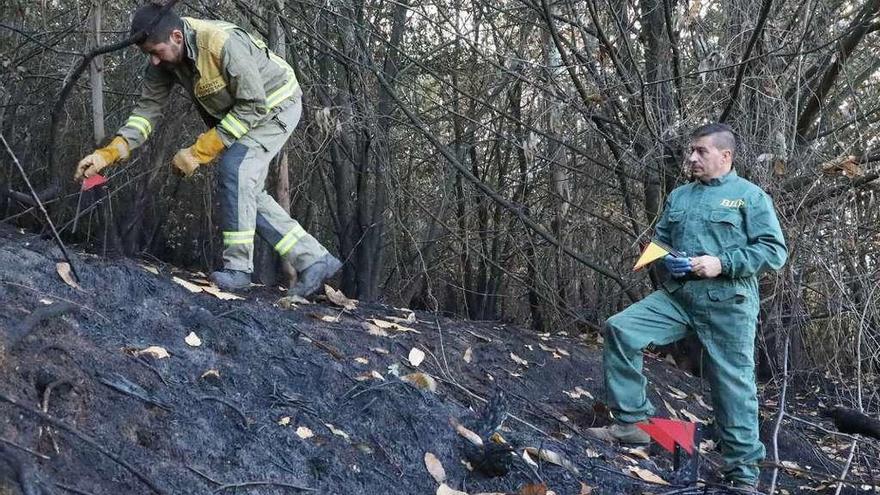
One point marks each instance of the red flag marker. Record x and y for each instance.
(668, 432)
(93, 181)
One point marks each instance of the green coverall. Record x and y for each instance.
(734, 220)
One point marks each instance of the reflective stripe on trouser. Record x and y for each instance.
(724, 318)
(246, 207)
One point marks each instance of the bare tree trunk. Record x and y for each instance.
(96, 75)
(560, 179)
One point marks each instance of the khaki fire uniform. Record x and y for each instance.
(255, 101)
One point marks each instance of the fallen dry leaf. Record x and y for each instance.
(416, 356)
(219, 294)
(592, 454)
(467, 434)
(707, 446)
(195, 289)
(553, 458)
(410, 319)
(672, 412)
(678, 394)
(421, 381)
(563, 352)
(291, 302)
(339, 299)
(533, 489)
(304, 433)
(66, 274)
(210, 374)
(646, 475)
(374, 330)
(192, 340)
(531, 462)
(435, 468)
(154, 351)
(693, 417)
(640, 452)
(585, 489)
(328, 318)
(150, 268)
(443, 489)
(577, 393)
(518, 360)
(468, 355)
(361, 360)
(284, 421)
(792, 468)
(379, 350)
(387, 325)
(703, 403)
(336, 431)
(546, 348)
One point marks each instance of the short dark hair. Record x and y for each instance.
(158, 29)
(722, 135)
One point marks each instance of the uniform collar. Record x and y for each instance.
(717, 181)
(189, 37)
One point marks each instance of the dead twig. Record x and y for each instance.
(244, 420)
(21, 286)
(852, 453)
(25, 449)
(780, 415)
(40, 315)
(86, 439)
(39, 203)
(250, 484)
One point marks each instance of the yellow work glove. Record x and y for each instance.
(102, 158)
(206, 148)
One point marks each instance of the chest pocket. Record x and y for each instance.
(727, 225)
(675, 219)
(210, 86)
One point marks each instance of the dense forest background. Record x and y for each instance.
(493, 159)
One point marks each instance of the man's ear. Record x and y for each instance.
(728, 155)
(177, 36)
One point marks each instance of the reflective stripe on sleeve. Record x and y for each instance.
(233, 126)
(140, 124)
(238, 237)
(288, 241)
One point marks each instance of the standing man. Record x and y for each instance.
(729, 228)
(254, 101)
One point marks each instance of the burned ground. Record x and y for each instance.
(82, 413)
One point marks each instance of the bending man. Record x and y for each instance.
(254, 101)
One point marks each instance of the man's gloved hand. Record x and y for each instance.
(677, 266)
(102, 158)
(206, 148)
(185, 164)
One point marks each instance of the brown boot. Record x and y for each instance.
(627, 433)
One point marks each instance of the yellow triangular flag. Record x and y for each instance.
(653, 252)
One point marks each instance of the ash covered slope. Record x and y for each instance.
(173, 424)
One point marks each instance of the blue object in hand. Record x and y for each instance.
(677, 266)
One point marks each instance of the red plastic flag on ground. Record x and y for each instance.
(668, 432)
(93, 181)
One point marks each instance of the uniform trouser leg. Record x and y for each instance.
(727, 331)
(657, 319)
(247, 208)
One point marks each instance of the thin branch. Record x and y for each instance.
(734, 92)
(36, 198)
